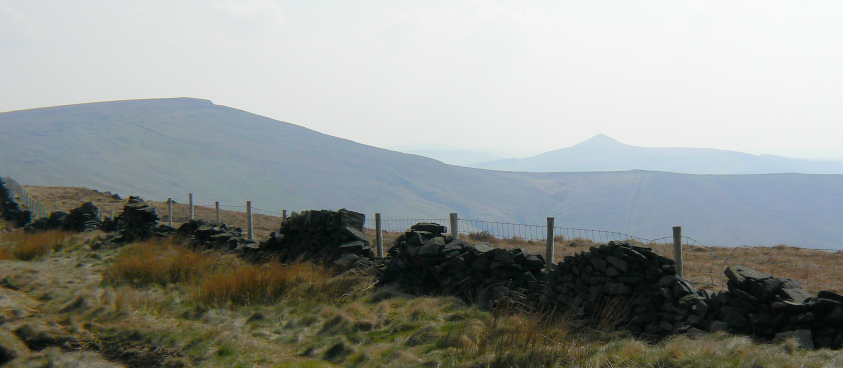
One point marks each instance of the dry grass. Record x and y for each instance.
(163, 262)
(534, 340)
(814, 269)
(258, 284)
(221, 280)
(28, 247)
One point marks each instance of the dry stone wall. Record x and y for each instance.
(425, 260)
(11, 210)
(637, 288)
(219, 236)
(333, 238)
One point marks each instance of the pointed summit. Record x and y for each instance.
(600, 140)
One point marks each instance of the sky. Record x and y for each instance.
(509, 77)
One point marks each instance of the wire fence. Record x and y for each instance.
(24, 199)
(703, 266)
(814, 269)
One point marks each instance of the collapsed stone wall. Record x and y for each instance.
(425, 260)
(11, 210)
(83, 218)
(771, 308)
(642, 293)
(639, 289)
(333, 238)
(137, 222)
(218, 236)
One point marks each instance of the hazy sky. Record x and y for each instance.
(513, 76)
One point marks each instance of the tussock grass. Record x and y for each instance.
(221, 280)
(257, 284)
(163, 262)
(28, 247)
(538, 340)
(303, 283)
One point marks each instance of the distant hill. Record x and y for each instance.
(161, 148)
(603, 153)
(452, 156)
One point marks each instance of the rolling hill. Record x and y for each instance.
(161, 148)
(602, 153)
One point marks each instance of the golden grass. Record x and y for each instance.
(163, 262)
(258, 284)
(221, 280)
(32, 246)
(534, 340)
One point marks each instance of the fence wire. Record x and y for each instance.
(814, 269)
(703, 266)
(24, 199)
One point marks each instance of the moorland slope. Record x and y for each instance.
(161, 148)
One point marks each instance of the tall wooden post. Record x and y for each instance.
(249, 215)
(379, 235)
(283, 216)
(190, 195)
(455, 226)
(217, 205)
(548, 256)
(170, 210)
(677, 250)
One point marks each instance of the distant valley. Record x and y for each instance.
(161, 148)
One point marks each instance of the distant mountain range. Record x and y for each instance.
(602, 153)
(162, 148)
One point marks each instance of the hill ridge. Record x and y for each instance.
(228, 155)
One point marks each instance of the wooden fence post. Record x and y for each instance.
(378, 235)
(170, 210)
(217, 205)
(190, 195)
(249, 215)
(283, 216)
(677, 250)
(548, 257)
(455, 227)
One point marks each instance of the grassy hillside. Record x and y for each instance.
(169, 147)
